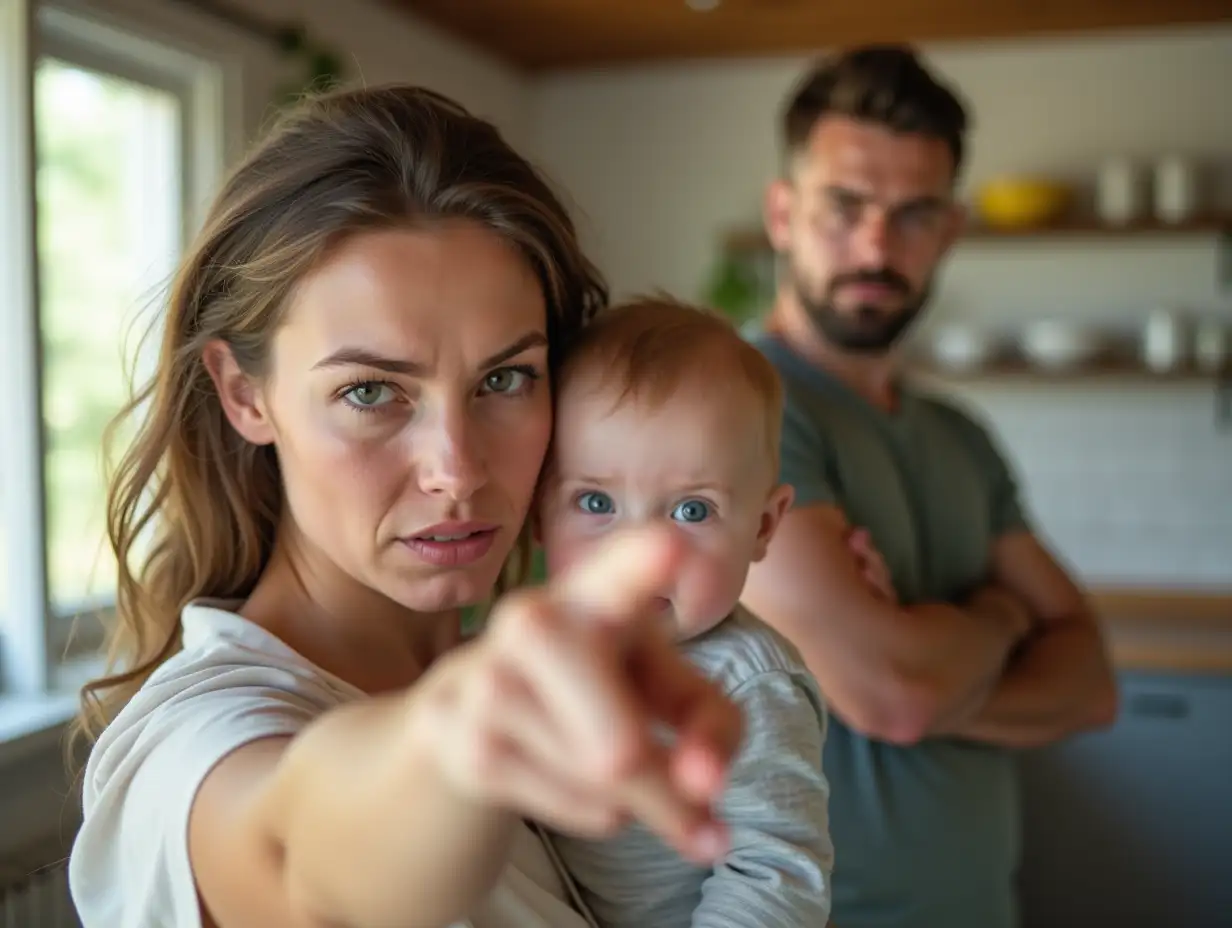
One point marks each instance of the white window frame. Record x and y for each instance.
(206, 82)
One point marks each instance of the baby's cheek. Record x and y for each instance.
(715, 583)
(563, 544)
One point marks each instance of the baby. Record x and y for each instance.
(665, 413)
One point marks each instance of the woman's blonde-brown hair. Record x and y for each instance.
(339, 164)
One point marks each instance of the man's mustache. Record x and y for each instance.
(884, 276)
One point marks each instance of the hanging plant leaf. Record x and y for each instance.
(734, 289)
(292, 40)
(324, 70)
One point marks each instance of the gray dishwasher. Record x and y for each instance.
(1133, 826)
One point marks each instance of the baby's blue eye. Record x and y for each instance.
(691, 510)
(595, 503)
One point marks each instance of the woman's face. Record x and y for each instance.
(409, 404)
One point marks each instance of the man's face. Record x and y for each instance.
(863, 219)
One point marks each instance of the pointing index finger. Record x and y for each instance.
(618, 581)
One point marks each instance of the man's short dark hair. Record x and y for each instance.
(883, 84)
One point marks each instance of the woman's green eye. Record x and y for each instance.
(369, 395)
(507, 380)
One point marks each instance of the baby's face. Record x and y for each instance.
(698, 462)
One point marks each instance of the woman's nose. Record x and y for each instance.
(449, 456)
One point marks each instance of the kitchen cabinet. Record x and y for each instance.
(1132, 826)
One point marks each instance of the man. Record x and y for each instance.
(983, 644)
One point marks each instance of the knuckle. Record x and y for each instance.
(526, 620)
(605, 821)
(488, 759)
(491, 690)
(619, 758)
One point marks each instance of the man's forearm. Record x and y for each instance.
(967, 648)
(1059, 684)
(934, 668)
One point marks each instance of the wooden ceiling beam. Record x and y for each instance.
(541, 35)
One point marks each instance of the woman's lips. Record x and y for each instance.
(453, 544)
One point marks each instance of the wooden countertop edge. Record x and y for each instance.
(1165, 607)
(1167, 631)
(1162, 659)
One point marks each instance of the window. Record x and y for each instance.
(108, 198)
(110, 139)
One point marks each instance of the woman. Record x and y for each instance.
(338, 452)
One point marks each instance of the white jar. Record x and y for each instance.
(1118, 194)
(1163, 341)
(1176, 189)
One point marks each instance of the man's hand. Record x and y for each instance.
(999, 604)
(1060, 680)
(885, 671)
(871, 565)
(994, 602)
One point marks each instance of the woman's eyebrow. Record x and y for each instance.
(365, 358)
(529, 340)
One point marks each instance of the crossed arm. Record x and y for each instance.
(1060, 681)
(1021, 663)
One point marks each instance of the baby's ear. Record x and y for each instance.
(777, 503)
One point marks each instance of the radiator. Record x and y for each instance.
(37, 900)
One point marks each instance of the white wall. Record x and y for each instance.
(385, 45)
(379, 44)
(660, 160)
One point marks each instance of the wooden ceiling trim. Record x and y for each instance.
(542, 35)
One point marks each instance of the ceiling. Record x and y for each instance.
(539, 35)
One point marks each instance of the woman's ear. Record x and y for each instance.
(241, 398)
(777, 504)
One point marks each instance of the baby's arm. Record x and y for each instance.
(777, 873)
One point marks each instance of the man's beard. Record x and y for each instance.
(867, 330)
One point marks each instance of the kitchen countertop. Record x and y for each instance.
(1167, 630)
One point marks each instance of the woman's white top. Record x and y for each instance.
(233, 683)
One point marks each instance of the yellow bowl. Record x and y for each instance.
(1022, 202)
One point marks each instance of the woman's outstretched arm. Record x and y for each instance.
(398, 810)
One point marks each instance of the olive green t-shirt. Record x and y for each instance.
(925, 836)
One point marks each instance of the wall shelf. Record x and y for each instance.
(752, 240)
(1110, 370)
(1114, 371)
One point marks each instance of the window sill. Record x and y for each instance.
(30, 724)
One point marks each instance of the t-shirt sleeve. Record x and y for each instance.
(803, 460)
(777, 872)
(130, 863)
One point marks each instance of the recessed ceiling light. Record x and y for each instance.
(701, 6)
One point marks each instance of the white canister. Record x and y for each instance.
(1118, 193)
(1163, 341)
(1176, 189)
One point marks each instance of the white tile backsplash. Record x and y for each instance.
(1131, 484)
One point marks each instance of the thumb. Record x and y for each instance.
(618, 580)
